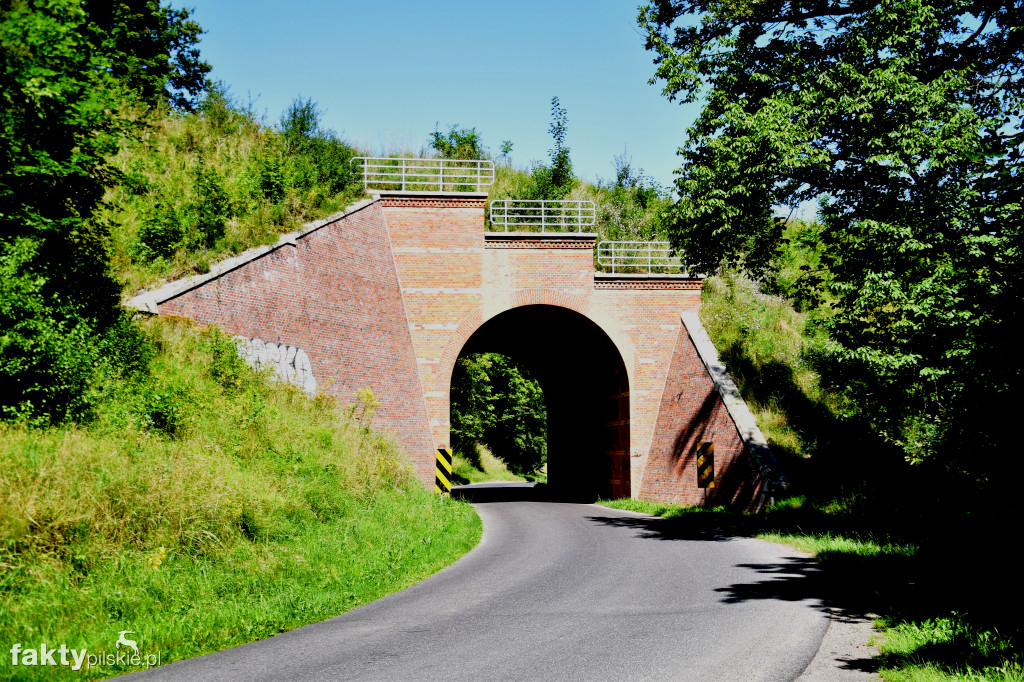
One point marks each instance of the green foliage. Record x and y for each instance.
(479, 465)
(554, 180)
(497, 403)
(206, 507)
(206, 185)
(904, 119)
(506, 151)
(160, 234)
(69, 72)
(561, 165)
(460, 143)
(630, 207)
(318, 162)
(209, 207)
(300, 122)
(154, 49)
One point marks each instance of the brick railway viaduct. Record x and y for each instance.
(390, 293)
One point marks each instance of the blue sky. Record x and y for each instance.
(385, 73)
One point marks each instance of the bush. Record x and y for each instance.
(209, 209)
(160, 235)
(459, 143)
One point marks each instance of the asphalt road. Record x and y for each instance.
(559, 591)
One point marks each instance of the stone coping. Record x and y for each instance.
(580, 236)
(148, 301)
(405, 193)
(641, 276)
(746, 426)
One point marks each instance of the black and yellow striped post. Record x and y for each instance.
(706, 466)
(443, 472)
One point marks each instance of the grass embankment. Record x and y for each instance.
(487, 468)
(198, 188)
(205, 508)
(946, 599)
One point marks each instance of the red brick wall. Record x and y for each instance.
(691, 412)
(336, 295)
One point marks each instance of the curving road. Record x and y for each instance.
(559, 591)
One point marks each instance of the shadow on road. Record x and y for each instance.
(845, 591)
(847, 582)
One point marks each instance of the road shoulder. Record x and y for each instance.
(844, 654)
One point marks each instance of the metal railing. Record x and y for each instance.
(546, 214)
(425, 175)
(632, 256)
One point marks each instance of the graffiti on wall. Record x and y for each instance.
(287, 363)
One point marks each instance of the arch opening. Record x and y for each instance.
(586, 390)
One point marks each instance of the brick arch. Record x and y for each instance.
(520, 298)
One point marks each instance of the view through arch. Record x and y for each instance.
(586, 391)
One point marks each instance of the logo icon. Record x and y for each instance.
(130, 643)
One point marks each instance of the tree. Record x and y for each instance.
(458, 143)
(496, 402)
(67, 85)
(903, 119)
(154, 49)
(316, 155)
(561, 165)
(555, 180)
(506, 151)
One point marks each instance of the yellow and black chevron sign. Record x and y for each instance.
(706, 466)
(443, 473)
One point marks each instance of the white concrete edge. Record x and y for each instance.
(740, 414)
(641, 276)
(455, 194)
(149, 301)
(579, 236)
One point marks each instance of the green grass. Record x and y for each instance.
(935, 649)
(206, 509)
(937, 621)
(259, 185)
(486, 468)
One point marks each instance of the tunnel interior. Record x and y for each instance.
(586, 389)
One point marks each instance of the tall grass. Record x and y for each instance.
(765, 344)
(483, 468)
(205, 509)
(629, 212)
(199, 187)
